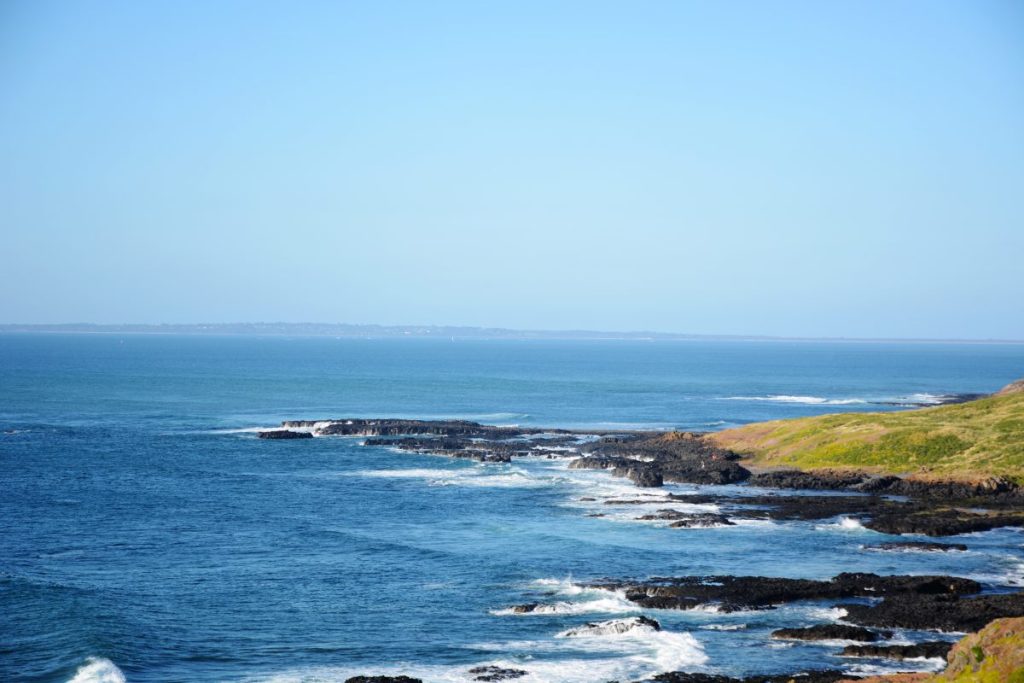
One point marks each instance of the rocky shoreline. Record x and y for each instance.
(887, 504)
(872, 605)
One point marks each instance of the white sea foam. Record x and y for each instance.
(805, 400)
(612, 627)
(240, 430)
(1010, 572)
(630, 655)
(903, 665)
(724, 627)
(98, 670)
(590, 600)
(845, 524)
(823, 613)
(476, 476)
(925, 398)
(850, 523)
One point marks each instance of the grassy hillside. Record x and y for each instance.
(966, 441)
(995, 654)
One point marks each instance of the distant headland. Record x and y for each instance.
(357, 331)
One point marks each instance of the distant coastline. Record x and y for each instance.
(353, 331)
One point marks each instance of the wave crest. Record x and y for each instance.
(98, 670)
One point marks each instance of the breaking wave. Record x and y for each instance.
(98, 670)
(477, 476)
(804, 400)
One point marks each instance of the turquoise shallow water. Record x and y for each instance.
(147, 528)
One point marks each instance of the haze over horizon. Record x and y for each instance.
(792, 170)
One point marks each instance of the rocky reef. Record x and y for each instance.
(734, 593)
(283, 434)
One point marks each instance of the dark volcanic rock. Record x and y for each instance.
(525, 609)
(701, 520)
(679, 456)
(612, 627)
(930, 612)
(992, 487)
(879, 513)
(666, 515)
(708, 471)
(942, 522)
(831, 632)
(794, 479)
(495, 673)
(284, 434)
(383, 679)
(643, 476)
(995, 491)
(388, 427)
(474, 449)
(595, 463)
(824, 676)
(924, 546)
(731, 593)
(934, 649)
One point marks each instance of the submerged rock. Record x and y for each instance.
(495, 673)
(702, 520)
(923, 546)
(284, 434)
(383, 679)
(732, 593)
(935, 649)
(831, 632)
(612, 627)
(525, 609)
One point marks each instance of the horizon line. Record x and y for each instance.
(371, 330)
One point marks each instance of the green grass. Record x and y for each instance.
(967, 441)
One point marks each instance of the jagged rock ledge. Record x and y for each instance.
(734, 593)
(650, 459)
(283, 435)
(932, 649)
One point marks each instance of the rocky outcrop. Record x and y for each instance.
(825, 676)
(283, 434)
(795, 479)
(946, 612)
(941, 522)
(383, 679)
(495, 673)
(686, 520)
(612, 627)
(394, 427)
(918, 546)
(831, 632)
(702, 520)
(988, 489)
(644, 476)
(677, 456)
(875, 512)
(933, 649)
(732, 593)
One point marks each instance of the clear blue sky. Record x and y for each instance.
(791, 168)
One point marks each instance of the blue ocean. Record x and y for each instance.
(148, 535)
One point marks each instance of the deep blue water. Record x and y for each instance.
(146, 527)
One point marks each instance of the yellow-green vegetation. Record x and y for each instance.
(967, 441)
(995, 654)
